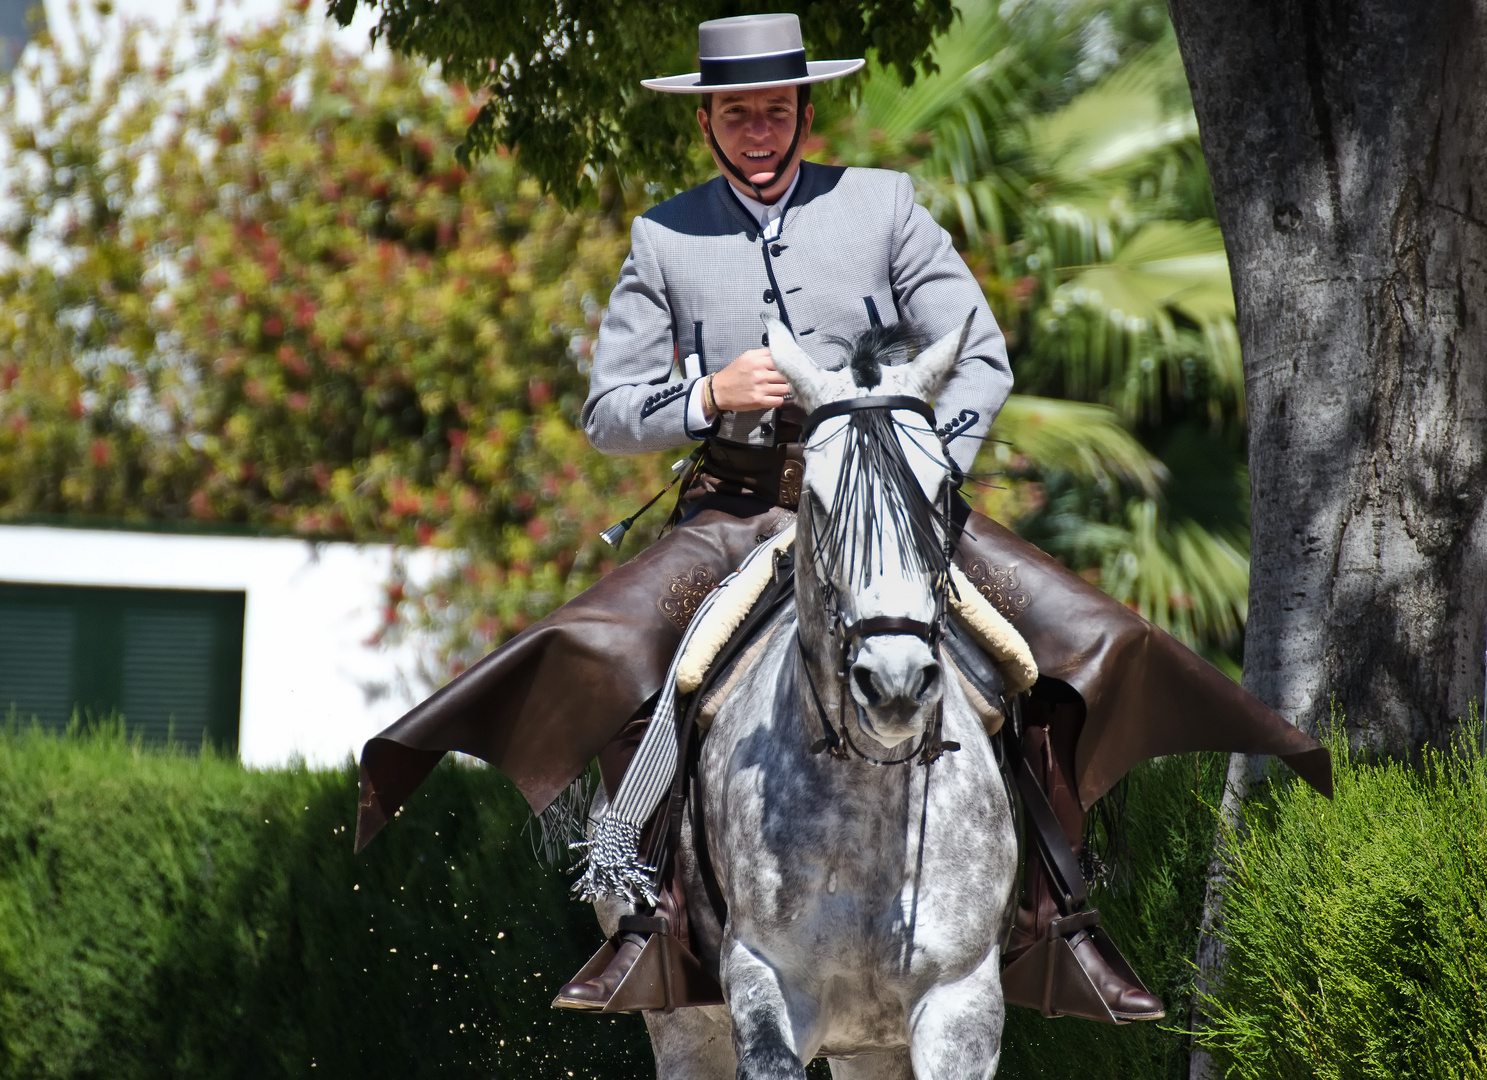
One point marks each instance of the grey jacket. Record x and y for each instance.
(854, 248)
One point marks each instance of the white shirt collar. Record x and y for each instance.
(767, 214)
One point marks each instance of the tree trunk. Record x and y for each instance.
(1347, 142)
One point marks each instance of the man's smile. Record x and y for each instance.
(763, 165)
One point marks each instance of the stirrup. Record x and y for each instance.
(665, 976)
(1049, 977)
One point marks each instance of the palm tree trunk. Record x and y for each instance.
(1348, 149)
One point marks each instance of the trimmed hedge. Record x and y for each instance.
(1356, 930)
(165, 914)
(170, 914)
(1152, 910)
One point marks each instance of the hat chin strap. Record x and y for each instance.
(739, 173)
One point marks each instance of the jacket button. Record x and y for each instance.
(769, 296)
(764, 340)
(775, 249)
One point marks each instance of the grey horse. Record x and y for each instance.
(867, 903)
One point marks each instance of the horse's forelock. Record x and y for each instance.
(877, 346)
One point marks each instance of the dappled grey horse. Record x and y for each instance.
(854, 813)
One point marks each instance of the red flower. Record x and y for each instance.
(101, 452)
(404, 503)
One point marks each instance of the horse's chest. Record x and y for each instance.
(864, 871)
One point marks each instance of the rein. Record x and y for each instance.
(930, 746)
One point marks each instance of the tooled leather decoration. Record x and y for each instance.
(1000, 587)
(685, 592)
(791, 475)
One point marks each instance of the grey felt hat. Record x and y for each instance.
(751, 52)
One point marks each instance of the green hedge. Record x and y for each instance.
(1152, 910)
(1357, 930)
(176, 915)
(168, 914)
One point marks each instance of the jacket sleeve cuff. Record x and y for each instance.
(698, 425)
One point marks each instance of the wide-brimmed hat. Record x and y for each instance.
(751, 52)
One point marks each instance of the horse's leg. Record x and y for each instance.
(766, 1035)
(692, 1044)
(894, 1065)
(955, 1030)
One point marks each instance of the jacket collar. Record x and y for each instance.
(804, 186)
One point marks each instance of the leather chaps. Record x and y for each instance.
(547, 702)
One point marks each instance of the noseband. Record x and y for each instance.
(930, 745)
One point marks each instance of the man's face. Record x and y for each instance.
(754, 128)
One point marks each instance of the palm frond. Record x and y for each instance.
(1085, 441)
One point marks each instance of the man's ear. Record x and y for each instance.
(702, 121)
(805, 128)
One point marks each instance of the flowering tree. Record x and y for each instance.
(280, 302)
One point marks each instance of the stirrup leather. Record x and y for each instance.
(665, 976)
(1049, 977)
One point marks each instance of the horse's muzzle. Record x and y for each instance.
(897, 681)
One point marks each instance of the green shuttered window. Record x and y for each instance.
(169, 661)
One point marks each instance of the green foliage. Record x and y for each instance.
(166, 914)
(175, 915)
(564, 79)
(1152, 907)
(322, 324)
(1058, 146)
(1355, 934)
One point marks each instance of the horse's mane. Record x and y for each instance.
(876, 346)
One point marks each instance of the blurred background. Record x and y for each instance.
(288, 437)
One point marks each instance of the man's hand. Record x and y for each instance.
(747, 384)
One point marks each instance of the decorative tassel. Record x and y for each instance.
(612, 866)
(614, 536)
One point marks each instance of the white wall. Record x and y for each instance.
(312, 685)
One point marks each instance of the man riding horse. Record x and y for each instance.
(829, 252)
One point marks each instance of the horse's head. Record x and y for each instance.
(873, 521)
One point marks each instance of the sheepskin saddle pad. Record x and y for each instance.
(986, 627)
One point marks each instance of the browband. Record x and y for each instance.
(851, 405)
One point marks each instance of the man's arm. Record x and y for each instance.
(631, 408)
(935, 290)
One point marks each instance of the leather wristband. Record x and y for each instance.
(709, 399)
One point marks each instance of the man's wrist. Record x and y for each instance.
(709, 399)
(698, 422)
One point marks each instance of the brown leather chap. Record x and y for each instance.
(543, 704)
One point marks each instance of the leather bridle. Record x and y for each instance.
(929, 746)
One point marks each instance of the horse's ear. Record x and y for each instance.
(790, 360)
(927, 372)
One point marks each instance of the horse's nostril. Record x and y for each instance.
(864, 679)
(928, 677)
